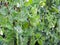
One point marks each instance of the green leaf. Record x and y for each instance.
(28, 2)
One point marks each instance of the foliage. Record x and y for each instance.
(30, 22)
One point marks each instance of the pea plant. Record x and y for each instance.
(29, 22)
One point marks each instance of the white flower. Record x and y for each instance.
(1, 33)
(53, 26)
(18, 5)
(42, 6)
(27, 0)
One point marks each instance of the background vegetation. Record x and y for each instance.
(30, 22)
